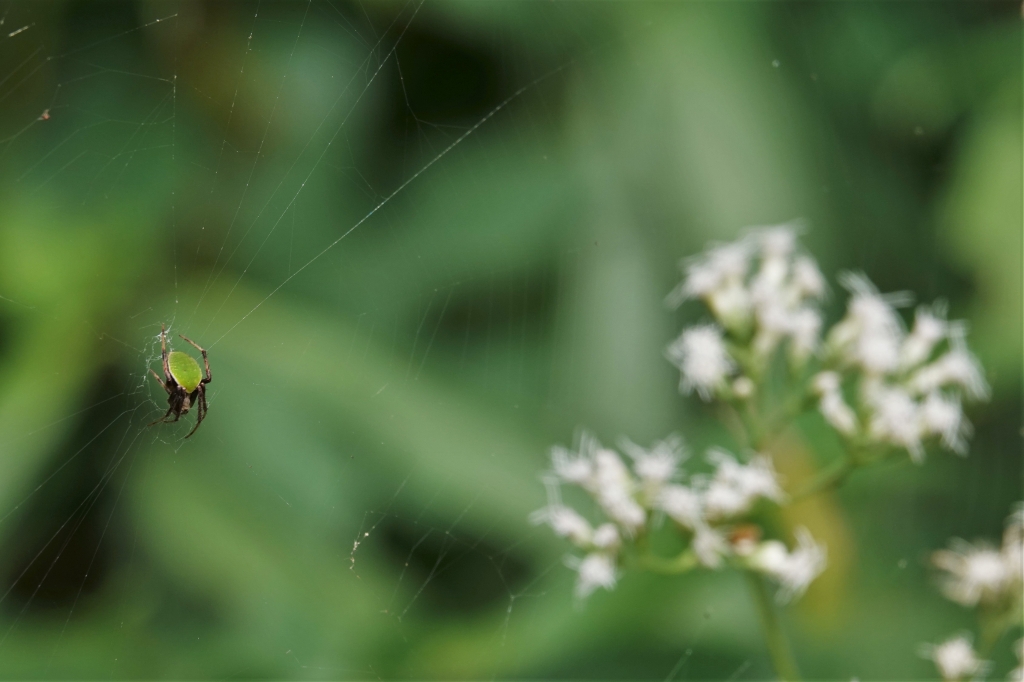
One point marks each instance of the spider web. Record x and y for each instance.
(366, 214)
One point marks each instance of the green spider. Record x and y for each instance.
(183, 381)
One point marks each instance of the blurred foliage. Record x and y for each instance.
(399, 327)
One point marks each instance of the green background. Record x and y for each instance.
(399, 328)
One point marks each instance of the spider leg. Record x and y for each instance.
(199, 420)
(209, 377)
(163, 354)
(201, 409)
(156, 376)
(163, 418)
(201, 399)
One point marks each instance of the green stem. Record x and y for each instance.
(736, 425)
(993, 624)
(758, 437)
(686, 561)
(829, 477)
(775, 637)
(837, 472)
(790, 410)
(987, 641)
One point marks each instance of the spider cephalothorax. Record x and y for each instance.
(183, 381)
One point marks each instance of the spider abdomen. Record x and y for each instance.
(185, 370)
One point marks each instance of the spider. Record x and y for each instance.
(183, 381)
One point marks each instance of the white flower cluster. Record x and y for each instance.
(762, 291)
(706, 508)
(981, 574)
(909, 387)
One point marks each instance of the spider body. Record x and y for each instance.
(184, 370)
(184, 382)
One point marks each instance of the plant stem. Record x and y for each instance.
(733, 421)
(829, 477)
(790, 410)
(993, 624)
(775, 637)
(679, 564)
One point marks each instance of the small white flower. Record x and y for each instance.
(929, 378)
(725, 495)
(825, 382)
(614, 489)
(964, 370)
(702, 358)
(976, 573)
(768, 286)
(727, 468)
(805, 564)
(658, 464)
(735, 487)
(837, 413)
(870, 308)
(717, 267)
(793, 571)
(955, 659)
(610, 473)
(597, 569)
(777, 241)
(871, 333)
(807, 278)
(773, 323)
(743, 388)
(758, 479)
(606, 538)
(623, 509)
(731, 260)
(776, 245)
(943, 416)
(710, 546)
(877, 351)
(731, 305)
(805, 332)
(895, 420)
(723, 500)
(566, 523)
(571, 468)
(930, 328)
(682, 504)
(956, 368)
(701, 279)
(770, 557)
